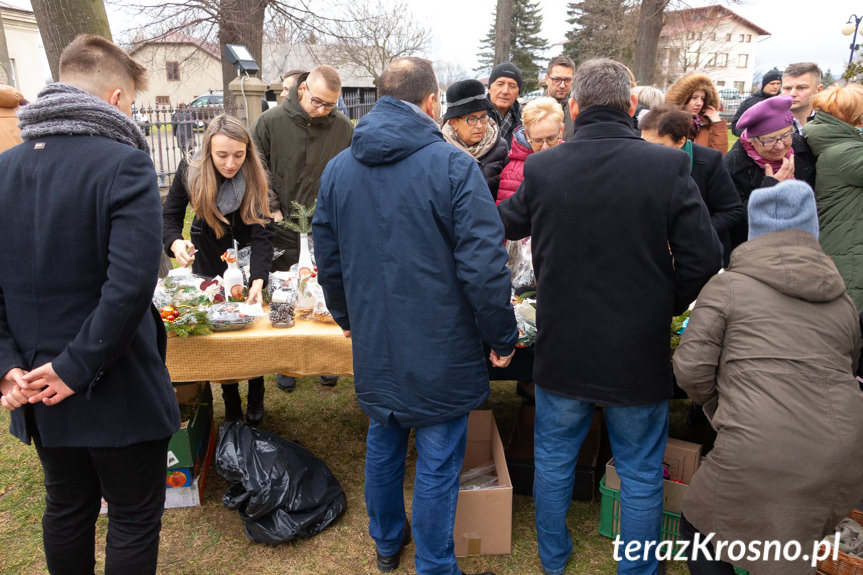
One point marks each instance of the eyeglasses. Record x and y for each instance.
(561, 80)
(784, 138)
(472, 120)
(550, 142)
(318, 103)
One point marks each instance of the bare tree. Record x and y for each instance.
(503, 32)
(448, 73)
(5, 64)
(61, 20)
(372, 36)
(225, 21)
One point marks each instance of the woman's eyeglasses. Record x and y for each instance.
(784, 138)
(472, 120)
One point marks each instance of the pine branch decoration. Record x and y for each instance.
(300, 219)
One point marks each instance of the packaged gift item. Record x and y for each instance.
(228, 316)
(525, 320)
(282, 303)
(520, 266)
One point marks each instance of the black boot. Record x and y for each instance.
(233, 406)
(255, 401)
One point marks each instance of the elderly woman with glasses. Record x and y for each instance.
(468, 125)
(768, 152)
(542, 123)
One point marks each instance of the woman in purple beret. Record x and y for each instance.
(768, 152)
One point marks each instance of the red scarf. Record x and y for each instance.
(750, 151)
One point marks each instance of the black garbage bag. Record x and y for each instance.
(281, 490)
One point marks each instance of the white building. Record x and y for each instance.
(712, 40)
(26, 52)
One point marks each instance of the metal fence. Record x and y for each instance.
(173, 132)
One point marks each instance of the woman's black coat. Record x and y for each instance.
(208, 260)
(718, 192)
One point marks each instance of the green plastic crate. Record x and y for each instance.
(609, 518)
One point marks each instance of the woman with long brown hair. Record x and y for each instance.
(226, 184)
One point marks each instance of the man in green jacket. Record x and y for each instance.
(297, 139)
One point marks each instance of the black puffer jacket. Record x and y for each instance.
(492, 164)
(748, 176)
(755, 98)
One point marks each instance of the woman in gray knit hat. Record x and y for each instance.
(771, 352)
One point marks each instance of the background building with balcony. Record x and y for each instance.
(711, 40)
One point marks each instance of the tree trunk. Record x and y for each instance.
(503, 32)
(241, 22)
(61, 20)
(5, 65)
(650, 22)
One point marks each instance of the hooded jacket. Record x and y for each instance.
(838, 148)
(9, 99)
(296, 147)
(712, 134)
(411, 257)
(770, 351)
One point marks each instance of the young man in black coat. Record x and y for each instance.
(82, 347)
(606, 211)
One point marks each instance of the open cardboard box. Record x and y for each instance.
(681, 459)
(483, 517)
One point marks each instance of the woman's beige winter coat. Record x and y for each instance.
(771, 351)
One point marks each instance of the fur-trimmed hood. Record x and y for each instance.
(681, 91)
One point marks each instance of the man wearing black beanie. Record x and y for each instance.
(504, 86)
(771, 84)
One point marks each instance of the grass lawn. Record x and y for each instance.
(210, 539)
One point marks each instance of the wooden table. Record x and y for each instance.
(308, 348)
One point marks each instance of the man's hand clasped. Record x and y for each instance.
(499, 361)
(19, 387)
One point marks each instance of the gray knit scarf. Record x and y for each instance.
(63, 109)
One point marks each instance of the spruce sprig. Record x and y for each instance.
(300, 219)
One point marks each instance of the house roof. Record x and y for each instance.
(7, 6)
(691, 19)
(174, 38)
(278, 58)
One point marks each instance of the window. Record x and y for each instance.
(713, 37)
(742, 37)
(728, 37)
(691, 60)
(163, 100)
(719, 83)
(748, 38)
(742, 60)
(172, 70)
(721, 60)
(691, 36)
(711, 60)
(739, 86)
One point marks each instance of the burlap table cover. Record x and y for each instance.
(308, 348)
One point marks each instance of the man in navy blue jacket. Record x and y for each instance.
(81, 346)
(410, 255)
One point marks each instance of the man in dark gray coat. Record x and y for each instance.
(621, 241)
(82, 348)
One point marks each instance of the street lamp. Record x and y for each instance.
(849, 29)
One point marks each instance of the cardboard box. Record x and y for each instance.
(681, 459)
(179, 478)
(187, 442)
(519, 456)
(672, 492)
(193, 494)
(483, 518)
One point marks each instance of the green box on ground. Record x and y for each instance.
(186, 443)
(609, 518)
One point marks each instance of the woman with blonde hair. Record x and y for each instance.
(835, 136)
(696, 95)
(542, 122)
(226, 184)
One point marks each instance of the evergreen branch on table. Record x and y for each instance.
(300, 219)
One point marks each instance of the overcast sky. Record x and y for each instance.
(801, 30)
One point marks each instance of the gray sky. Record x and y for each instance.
(801, 30)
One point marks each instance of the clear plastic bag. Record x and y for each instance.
(520, 266)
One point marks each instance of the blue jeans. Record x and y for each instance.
(638, 435)
(440, 454)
